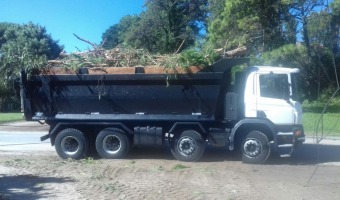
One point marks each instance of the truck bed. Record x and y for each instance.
(194, 94)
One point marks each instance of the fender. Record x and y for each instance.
(197, 124)
(263, 122)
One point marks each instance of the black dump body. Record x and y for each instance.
(201, 93)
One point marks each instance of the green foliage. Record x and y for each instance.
(319, 29)
(258, 24)
(194, 57)
(26, 47)
(317, 106)
(335, 27)
(4, 90)
(120, 33)
(215, 8)
(164, 27)
(264, 25)
(287, 55)
(335, 5)
(317, 73)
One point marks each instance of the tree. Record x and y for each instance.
(121, 32)
(25, 46)
(258, 24)
(215, 8)
(316, 73)
(176, 23)
(164, 27)
(318, 28)
(301, 10)
(335, 26)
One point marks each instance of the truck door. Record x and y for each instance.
(273, 98)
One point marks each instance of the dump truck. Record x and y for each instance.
(253, 111)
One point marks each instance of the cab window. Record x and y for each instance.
(274, 86)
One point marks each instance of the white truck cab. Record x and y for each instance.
(269, 93)
(269, 97)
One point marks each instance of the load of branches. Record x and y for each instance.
(118, 57)
(99, 58)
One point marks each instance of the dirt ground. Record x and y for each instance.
(154, 174)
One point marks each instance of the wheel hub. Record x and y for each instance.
(69, 145)
(252, 147)
(111, 144)
(186, 146)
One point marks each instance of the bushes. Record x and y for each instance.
(318, 105)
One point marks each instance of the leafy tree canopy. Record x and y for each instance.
(164, 27)
(25, 46)
(258, 24)
(316, 72)
(121, 32)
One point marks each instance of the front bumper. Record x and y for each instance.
(287, 138)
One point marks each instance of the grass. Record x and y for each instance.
(9, 117)
(179, 167)
(88, 160)
(331, 124)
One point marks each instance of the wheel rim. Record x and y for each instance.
(69, 145)
(252, 147)
(186, 146)
(111, 144)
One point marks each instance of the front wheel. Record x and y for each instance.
(71, 143)
(255, 148)
(188, 147)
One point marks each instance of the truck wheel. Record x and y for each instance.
(255, 148)
(112, 143)
(188, 147)
(71, 143)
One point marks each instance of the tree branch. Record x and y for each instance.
(180, 47)
(92, 44)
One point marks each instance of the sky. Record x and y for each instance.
(89, 19)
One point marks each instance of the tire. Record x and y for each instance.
(188, 147)
(255, 148)
(112, 143)
(71, 143)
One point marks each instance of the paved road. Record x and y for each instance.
(25, 137)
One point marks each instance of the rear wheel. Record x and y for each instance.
(188, 147)
(71, 143)
(112, 143)
(255, 148)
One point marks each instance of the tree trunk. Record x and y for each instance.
(306, 36)
(335, 26)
